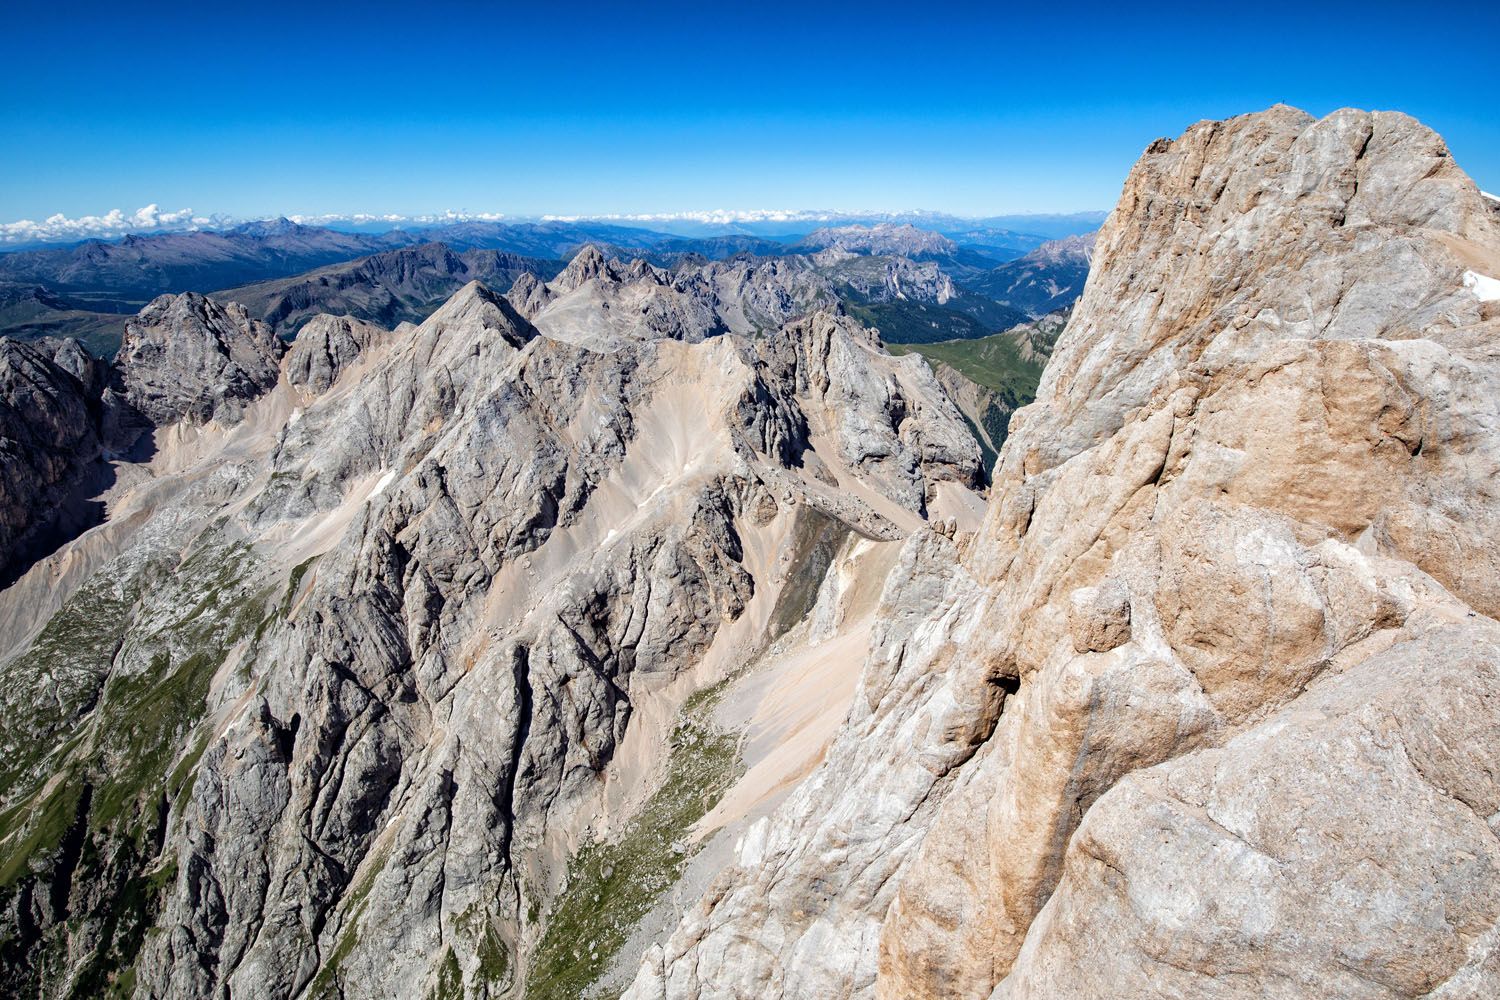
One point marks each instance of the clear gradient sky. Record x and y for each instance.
(582, 108)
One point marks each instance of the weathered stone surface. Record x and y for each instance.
(602, 303)
(472, 556)
(188, 357)
(1243, 529)
(1207, 706)
(324, 348)
(48, 433)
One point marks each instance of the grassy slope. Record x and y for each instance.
(994, 362)
(611, 886)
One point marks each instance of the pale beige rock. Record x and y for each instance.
(1236, 567)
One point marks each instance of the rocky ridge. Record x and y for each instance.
(403, 285)
(884, 238)
(1049, 278)
(343, 706)
(1211, 691)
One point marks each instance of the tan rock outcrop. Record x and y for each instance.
(1208, 712)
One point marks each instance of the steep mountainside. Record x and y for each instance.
(600, 302)
(393, 672)
(883, 238)
(989, 378)
(1049, 278)
(908, 299)
(51, 440)
(1209, 705)
(891, 240)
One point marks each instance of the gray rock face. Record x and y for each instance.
(886, 278)
(602, 303)
(188, 357)
(449, 580)
(388, 688)
(48, 433)
(324, 348)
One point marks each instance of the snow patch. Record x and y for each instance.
(1491, 197)
(1483, 286)
(388, 477)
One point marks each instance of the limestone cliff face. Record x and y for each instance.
(600, 302)
(392, 629)
(48, 434)
(188, 357)
(1206, 707)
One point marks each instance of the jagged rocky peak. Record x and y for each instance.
(1208, 707)
(1077, 249)
(475, 309)
(884, 278)
(651, 642)
(324, 347)
(592, 264)
(529, 294)
(189, 357)
(447, 604)
(603, 303)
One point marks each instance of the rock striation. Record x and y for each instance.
(645, 630)
(49, 434)
(1201, 710)
(373, 653)
(600, 302)
(188, 357)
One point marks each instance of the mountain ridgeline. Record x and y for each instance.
(652, 627)
(286, 272)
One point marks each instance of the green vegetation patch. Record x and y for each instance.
(995, 362)
(325, 985)
(450, 981)
(611, 886)
(150, 714)
(124, 750)
(51, 687)
(904, 322)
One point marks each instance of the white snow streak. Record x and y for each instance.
(385, 480)
(1486, 288)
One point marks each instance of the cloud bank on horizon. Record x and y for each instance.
(59, 228)
(116, 224)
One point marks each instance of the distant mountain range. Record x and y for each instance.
(389, 288)
(915, 284)
(122, 276)
(1048, 278)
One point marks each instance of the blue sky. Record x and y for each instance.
(578, 108)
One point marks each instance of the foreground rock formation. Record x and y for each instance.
(1208, 706)
(646, 631)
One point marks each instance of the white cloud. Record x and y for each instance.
(59, 228)
(719, 216)
(151, 219)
